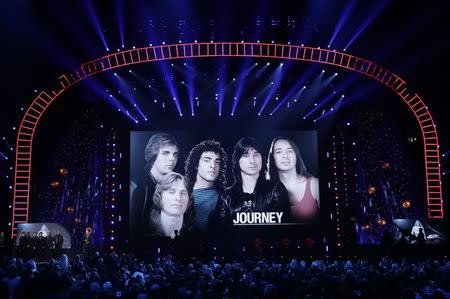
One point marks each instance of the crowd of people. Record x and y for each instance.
(114, 275)
(39, 244)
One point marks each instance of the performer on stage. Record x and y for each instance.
(416, 229)
(285, 165)
(206, 169)
(87, 242)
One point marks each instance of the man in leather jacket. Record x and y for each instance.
(250, 192)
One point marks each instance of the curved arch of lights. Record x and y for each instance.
(44, 99)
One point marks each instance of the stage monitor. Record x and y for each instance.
(220, 182)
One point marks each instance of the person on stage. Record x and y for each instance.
(161, 154)
(206, 169)
(87, 242)
(250, 191)
(171, 206)
(416, 229)
(285, 165)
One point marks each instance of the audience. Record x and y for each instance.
(114, 275)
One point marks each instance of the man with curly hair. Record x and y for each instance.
(206, 168)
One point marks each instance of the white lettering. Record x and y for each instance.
(258, 218)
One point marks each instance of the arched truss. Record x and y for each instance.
(239, 49)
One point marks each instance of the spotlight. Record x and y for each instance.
(184, 64)
(289, 43)
(281, 64)
(256, 63)
(335, 74)
(115, 74)
(268, 63)
(272, 42)
(129, 71)
(163, 43)
(171, 64)
(242, 41)
(257, 41)
(234, 79)
(217, 79)
(195, 41)
(134, 47)
(179, 41)
(323, 71)
(107, 49)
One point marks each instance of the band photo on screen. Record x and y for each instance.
(184, 184)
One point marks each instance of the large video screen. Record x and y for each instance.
(220, 183)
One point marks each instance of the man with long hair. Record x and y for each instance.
(171, 204)
(286, 165)
(206, 168)
(250, 191)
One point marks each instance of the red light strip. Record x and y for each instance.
(257, 50)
